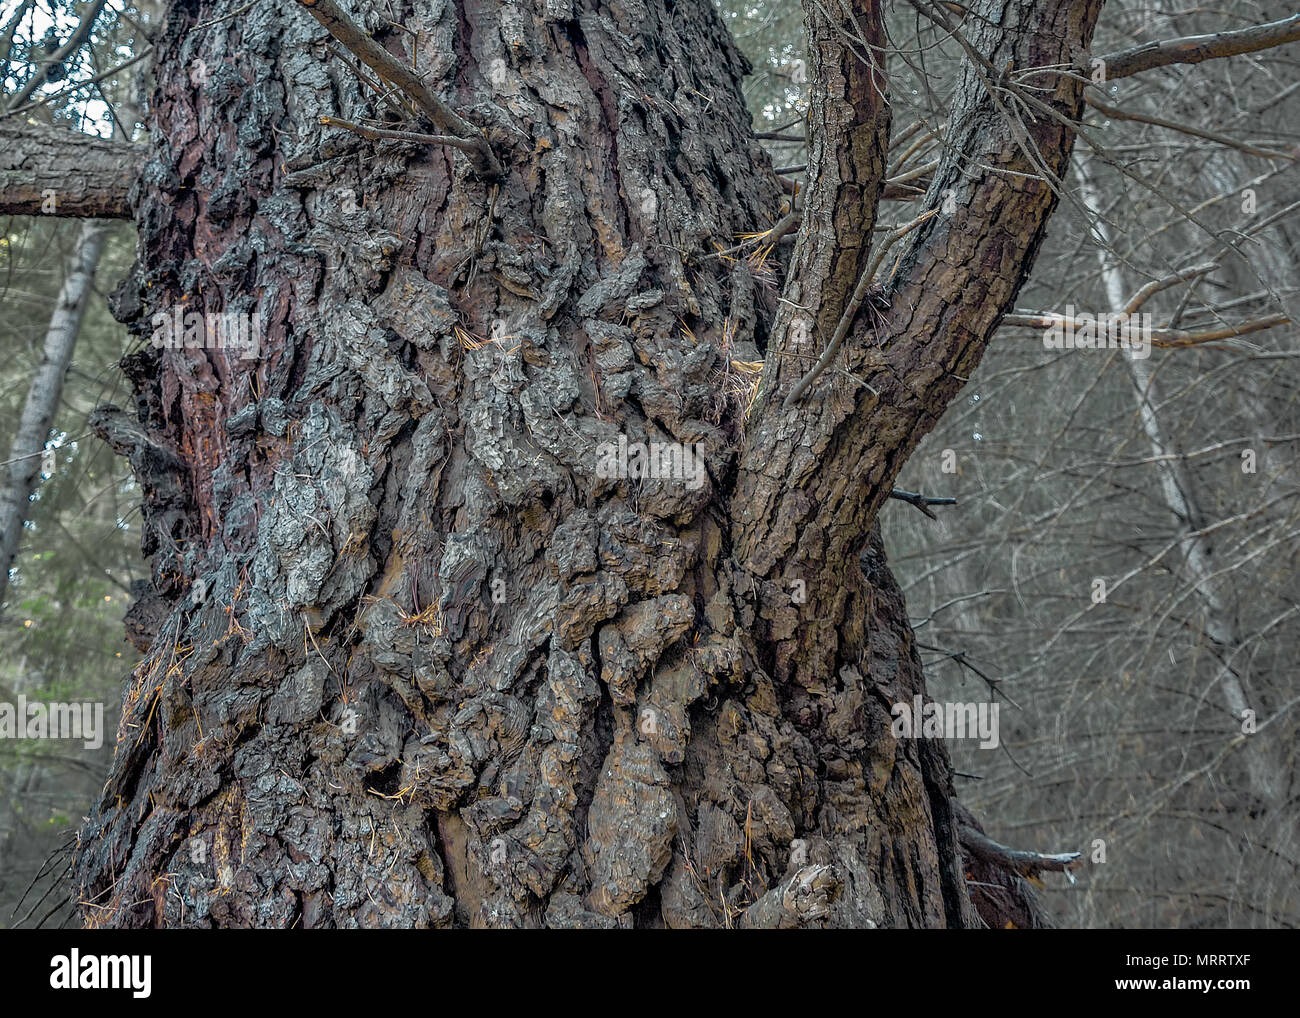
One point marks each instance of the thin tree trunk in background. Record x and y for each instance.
(24, 461)
(1264, 764)
(27, 776)
(1176, 486)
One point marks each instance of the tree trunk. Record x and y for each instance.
(424, 662)
(25, 450)
(1265, 761)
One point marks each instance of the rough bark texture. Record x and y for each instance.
(419, 664)
(89, 177)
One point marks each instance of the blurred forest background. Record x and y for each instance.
(1172, 482)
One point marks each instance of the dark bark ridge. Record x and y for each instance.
(423, 665)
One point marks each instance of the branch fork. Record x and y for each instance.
(455, 130)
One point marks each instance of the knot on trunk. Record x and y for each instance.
(805, 898)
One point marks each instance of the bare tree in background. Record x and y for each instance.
(1171, 482)
(25, 452)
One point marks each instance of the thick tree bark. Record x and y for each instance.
(24, 461)
(421, 663)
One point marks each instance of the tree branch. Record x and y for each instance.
(1178, 338)
(77, 86)
(922, 502)
(1027, 864)
(812, 481)
(381, 134)
(7, 35)
(1193, 49)
(1165, 338)
(405, 79)
(1115, 113)
(75, 41)
(1149, 290)
(87, 177)
(849, 120)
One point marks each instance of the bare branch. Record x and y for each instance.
(1167, 338)
(78, 85)
(1027, 864)
(922, 502)
(405, 79)
(1115, 113)
(74, 43)
(1154, 287)
(7, 35)
(380, 134)
(85, 176)
(1177, 338)
(1193, 49)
